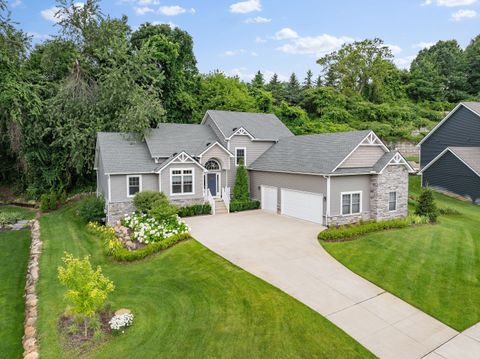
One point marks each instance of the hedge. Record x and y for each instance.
(195, 210)
(237, 206)
(355, 230)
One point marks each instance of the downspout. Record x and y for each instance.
(327, 210)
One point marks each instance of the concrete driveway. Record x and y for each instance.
(284, 252)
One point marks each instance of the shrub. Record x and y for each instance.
(163, 210)
(87, 289)
(355, 230)
(52, 200)
(121, 321)
(195, 210)
(145, 200)
(242, 205)
(92, 209)
(9, 218)
(447, 211)
(426, 205)
(44, 202)
(148, 229)
(240, 190)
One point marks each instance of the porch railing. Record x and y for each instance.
(210, 200)
(226, 197)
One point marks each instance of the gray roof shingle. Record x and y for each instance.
(170, 138)
(382, 162)
(474, 106)
(470, 155)
(264, 126)
(122, 153)
(317, 154)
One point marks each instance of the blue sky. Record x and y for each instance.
(282, 36)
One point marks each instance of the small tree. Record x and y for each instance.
(240, 190)
(426, 205)
(87, 289)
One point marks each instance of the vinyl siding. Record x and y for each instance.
(461, 129)
(119, 186)
(217, 153)
(449, 173)
(349, 184)
(363, 156)
(198, 181)
(299, 182)
(254, 150)
(102, 179)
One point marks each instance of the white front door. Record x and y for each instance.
(303, 205)
(269, 198)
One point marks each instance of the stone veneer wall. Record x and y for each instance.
(341, 220)
(393, 178)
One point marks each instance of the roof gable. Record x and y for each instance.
(181, 158)
(474, 107)
(469, 156)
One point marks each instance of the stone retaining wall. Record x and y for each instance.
(30, 340)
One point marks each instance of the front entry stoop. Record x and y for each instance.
(220, 207)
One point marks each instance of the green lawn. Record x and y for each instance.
(26, 213)
(188, 303)
(434, 267)
(14, 250)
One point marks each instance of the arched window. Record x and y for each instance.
(212, 165)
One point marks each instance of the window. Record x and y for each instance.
(182, 181)
(240, 155)
(351, 202)
(212, 165)
(134, 185)
(392, 201)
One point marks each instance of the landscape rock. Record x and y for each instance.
(123, 311)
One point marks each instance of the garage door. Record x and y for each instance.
(303, 205)
(269, 198)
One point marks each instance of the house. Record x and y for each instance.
(326, 178)
(450, 153)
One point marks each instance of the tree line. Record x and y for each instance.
(97, 74)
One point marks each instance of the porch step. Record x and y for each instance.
(220, 207)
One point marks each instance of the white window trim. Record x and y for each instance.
(193, 181)
(244, 156)
(351, 193)
(139, 184)
(396, 200)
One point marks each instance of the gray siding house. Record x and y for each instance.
(450, 153)
(326, 178)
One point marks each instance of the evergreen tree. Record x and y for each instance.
(319, 81)
(307, 83)
(276, 88)
(426, 205)
(240, 190)
(258, 81)
(293, 89)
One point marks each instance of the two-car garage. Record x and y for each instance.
(294, 203)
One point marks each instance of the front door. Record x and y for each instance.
(212, 184)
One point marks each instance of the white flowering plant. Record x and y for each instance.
(147, 229)
(121, 321)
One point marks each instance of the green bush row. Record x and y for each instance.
(237, 205)
(92, 209)
(355, 230)
(9, 217)
(195, 210)
(51, 201)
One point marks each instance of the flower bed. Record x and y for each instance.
(146, 229)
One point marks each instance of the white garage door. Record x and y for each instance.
(269, 198)
(303, 205)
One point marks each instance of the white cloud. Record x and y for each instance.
(233, 52)
(143, 10)
(260, 40)
(395, 49)
(244, 7)
(404, 62)
(253, 53)
(173, 10)
(15, 3)
(449, 3)
(257, 20)
(242, 73)
(148, 2)
(317, 45)
(38, 36)
(50, 14)
(285, 33)
(423, 45)
(463, 14)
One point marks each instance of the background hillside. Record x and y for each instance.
(100, 75)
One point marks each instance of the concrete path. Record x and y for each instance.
(466, 345)
(284, 252)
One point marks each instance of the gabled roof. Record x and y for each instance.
(311, 154)
(124, 153)
(470, 156)
(262, 126)
(472, 106)
(172, 138)
(180, 158)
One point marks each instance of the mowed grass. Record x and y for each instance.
(434, 267)
(188, 303)
(14, 250)
(26, 213)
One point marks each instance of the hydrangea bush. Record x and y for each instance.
(147, 229)
(119, 322)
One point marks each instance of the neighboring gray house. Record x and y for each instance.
(450, 153)
(327, 178)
